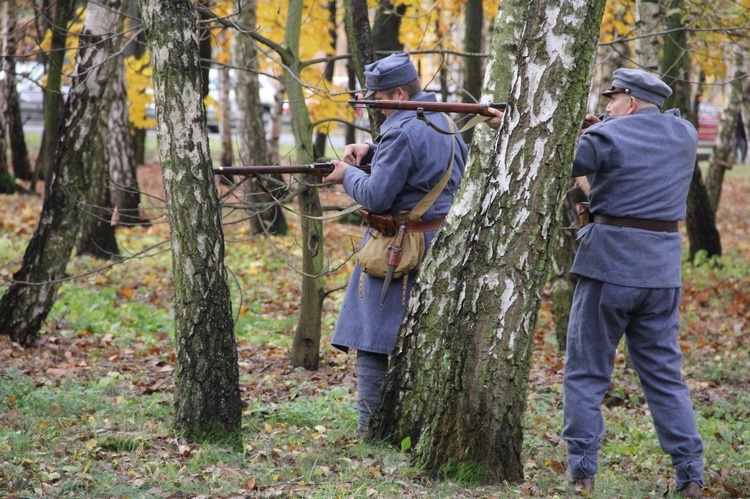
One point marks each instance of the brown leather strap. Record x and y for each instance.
(423, 226)
(636, 223)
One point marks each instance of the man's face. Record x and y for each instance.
(393, 94)
(619, 105)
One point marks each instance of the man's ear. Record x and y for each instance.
(633, 106)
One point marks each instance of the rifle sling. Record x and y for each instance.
(474, 121)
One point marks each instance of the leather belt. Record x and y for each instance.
(636, 223)
(422, 226)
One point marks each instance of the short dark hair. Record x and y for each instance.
(412, 88)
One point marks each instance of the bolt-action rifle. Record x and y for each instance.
(443, 107)
(324, 168)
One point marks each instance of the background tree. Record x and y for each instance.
(265, 214)
(17, 141)
(97, 231)
(675, 65)
(476, 300)
(52, 23)
(206, 377)
(721, 158)
(29, 298)
(385, 28)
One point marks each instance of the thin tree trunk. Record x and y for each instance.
(206, 377)
(648, 16)
(386, 27)
(721, 157)
(62, 13)
(306, 345)
(361, 47)
(136, 49)
(225, 129)
(700, 221)
(27, 302)
(458, 375)
(473, 66)
(19, 153)
(321, 137)
(266, 215)
(124, 190)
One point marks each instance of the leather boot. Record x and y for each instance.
(691, 489)
(584, 486)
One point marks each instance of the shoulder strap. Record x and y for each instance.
(429, 198)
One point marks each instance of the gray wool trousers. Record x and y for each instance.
(649, 319)
(371, 368)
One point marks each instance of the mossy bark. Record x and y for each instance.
(206, 378)
(457, 381)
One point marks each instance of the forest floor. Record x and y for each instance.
(87, 412)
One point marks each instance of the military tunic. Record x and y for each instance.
(639, 165)
(410, 158)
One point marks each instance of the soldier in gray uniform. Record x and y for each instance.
(407, 160)
(639, 163)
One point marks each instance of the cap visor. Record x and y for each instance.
(369, 93)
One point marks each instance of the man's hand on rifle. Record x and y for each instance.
(497, 120)
(337, 175)
(355, 153)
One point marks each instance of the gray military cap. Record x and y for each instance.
(389, 72)
(639, 84)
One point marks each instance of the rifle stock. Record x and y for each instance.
(312, 168)
(445, 107)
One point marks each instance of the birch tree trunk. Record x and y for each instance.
(458, 375)
(206, 377)
(97, 233)
(124, 190)
(25, 305)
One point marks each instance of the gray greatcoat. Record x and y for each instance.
(409, 159)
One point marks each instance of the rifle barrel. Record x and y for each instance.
(311, 168)
(447, 107)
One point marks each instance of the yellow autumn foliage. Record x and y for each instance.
(323, 99)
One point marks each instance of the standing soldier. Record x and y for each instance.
(639, 163)
(409, 162)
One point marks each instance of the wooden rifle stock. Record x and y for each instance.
(312, 168)
(444, 107)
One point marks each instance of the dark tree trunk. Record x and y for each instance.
(361, 47)
(700, 221)
(30, 297)
(19, 153)
(206, 377)
(62, 13)
(386, 27)
(458, 376)
(136, 49)
(473, 66)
